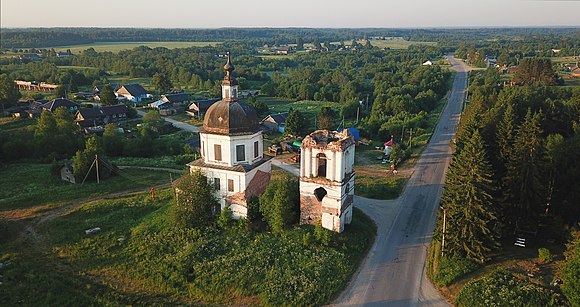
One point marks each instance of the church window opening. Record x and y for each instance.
(217, 148)
(321, 159)
(216, 184)
(240, 153)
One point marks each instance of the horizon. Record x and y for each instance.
(411, 14)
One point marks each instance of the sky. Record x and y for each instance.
(290, 13)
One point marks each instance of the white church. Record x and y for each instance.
(232, 149)
(232, 159)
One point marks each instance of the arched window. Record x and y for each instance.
(321, 163)
(320, 193)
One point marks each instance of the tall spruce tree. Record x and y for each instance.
(472, 229)
(506, 132)
(523, 180)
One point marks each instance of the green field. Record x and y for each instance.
(119, 46)
(31, 188)
(394, 43)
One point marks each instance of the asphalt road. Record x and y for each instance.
(175, 123)
(393, 274)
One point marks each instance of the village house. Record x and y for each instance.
(98, 88)
(275, 122)
(199, 107)
(101, 115)
(70, 106)
(133, 92)
(232, 149)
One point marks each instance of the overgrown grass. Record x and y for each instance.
(163, 161)
(379, 187)
(501, 288)
(139, 258)
(28, 185)
(13, 124)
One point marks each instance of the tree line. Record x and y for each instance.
(514, 166)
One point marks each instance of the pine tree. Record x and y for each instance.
(523, 181)
(472, 229)
(506, 133)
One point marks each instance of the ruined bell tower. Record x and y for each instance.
(327, 179)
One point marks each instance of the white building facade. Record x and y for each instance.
(232, 149)
(327, 179)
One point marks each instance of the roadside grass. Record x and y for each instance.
(138, 258)
(119, 46)
(379, 187)
(163, 162)
(25, 186)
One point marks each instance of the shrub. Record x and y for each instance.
(451, 269)
(324, 236)
(279, 202)
(501, 288)
(545, 255)
(225, 218)
(571, 271)
(195, 202)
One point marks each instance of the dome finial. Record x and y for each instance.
(229, 67)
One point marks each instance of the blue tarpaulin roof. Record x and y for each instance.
(355, 133)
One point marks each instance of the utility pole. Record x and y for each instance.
(402, 134)
(97, 167)
(367, 101)
(410, 136)
(444, 230)
(357, 112)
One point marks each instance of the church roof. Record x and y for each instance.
(230, 116)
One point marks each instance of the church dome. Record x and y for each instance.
(230, 117)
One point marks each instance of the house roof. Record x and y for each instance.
(59, 102)
(90, 114)
(175, 98)
(114, 86)
(158, 103)
(134, 89)
(94, 113)
(279, 118)
(116, 109)
(202, 105)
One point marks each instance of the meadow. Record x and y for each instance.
(139, 258)
(28, 189)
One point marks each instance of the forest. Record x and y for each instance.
(514, 176)
(52, 37)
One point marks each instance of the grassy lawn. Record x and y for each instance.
(119, 46)
(140, 259)
(31, 188)
(309, 108)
